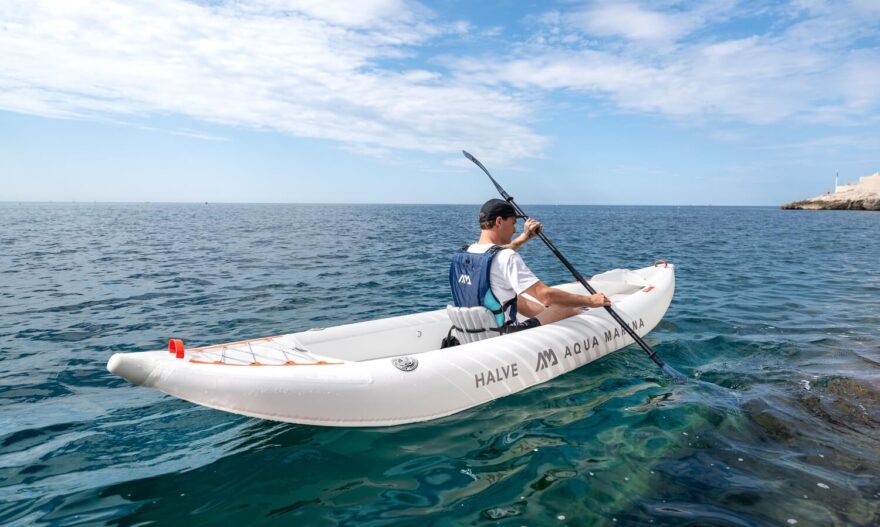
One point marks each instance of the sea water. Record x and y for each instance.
(777, 313)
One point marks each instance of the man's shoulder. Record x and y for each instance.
(479, 248)
(507, 255)
(502, 255)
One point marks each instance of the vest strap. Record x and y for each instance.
(502, 329)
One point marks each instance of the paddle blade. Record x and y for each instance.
(476, 161)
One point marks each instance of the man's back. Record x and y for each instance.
(509, 275)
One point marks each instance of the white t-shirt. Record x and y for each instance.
(508, 275)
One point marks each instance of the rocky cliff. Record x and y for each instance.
(864, 195)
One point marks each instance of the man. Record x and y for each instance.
(508, 276)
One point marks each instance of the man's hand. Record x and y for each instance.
(532, 227)
(599, 300)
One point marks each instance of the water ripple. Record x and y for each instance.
(775, 313)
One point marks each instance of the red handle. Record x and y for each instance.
(175, 346)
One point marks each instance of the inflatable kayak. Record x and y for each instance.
(393, 371)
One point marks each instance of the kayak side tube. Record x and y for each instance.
(325, 385)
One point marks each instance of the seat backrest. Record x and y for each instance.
(471, 324)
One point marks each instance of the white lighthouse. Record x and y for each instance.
(841, 188)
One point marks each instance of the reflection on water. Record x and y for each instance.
(775, 314)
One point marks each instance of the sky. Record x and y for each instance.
(372, 101)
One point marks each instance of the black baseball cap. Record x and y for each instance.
(497, 208)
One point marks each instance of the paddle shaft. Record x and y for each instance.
(648, 349)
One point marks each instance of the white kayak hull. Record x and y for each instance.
(390, 371)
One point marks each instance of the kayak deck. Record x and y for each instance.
(390, 337)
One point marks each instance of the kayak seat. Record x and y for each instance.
(471, 324)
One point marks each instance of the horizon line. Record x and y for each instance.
(314, 203)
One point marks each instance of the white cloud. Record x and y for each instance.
(363, 13)
(632, 21)
(333, 70)
(860, 81)
(198, 135)
(868, 6)
(809, 69)
(815, 7)
(306, 68)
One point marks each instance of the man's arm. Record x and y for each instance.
(556, 297)
(530, 230)
(528, 308)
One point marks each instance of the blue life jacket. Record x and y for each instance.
(469, 281)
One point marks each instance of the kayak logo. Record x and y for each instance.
(464, 279)
(503, 373)
(621, 332)
(546, 358)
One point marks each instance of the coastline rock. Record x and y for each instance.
(864, 195)
(816, 204)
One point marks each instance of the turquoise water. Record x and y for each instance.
(777, 311)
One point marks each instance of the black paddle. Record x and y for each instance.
(669, 370)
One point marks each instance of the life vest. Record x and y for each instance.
(469, 281)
